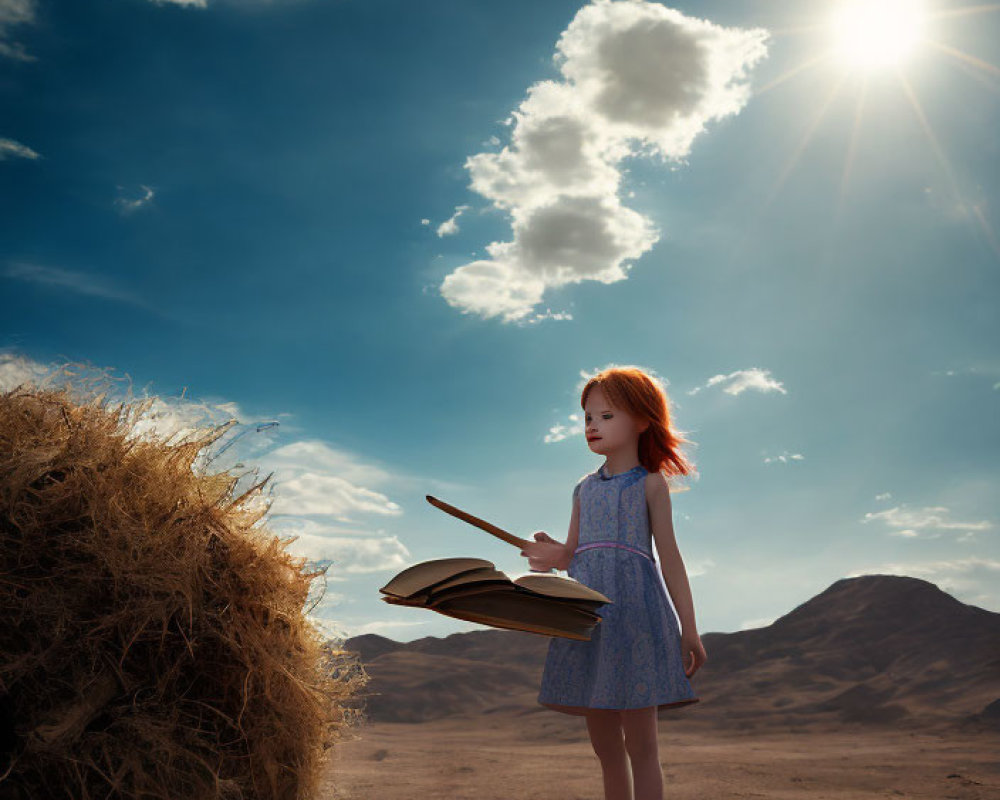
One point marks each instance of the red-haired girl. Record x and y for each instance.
(637, 660)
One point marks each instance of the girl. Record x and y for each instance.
(634, 663)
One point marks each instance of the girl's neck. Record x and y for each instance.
(616, 466)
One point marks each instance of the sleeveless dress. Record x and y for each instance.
(633, 658)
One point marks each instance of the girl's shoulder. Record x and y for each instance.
(579, 484)
(657, 476)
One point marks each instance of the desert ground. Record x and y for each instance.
(547, 757)
(879, 687)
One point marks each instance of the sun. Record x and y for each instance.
(876, 33)
(869, 40)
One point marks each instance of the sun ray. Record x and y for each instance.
(977, 76)
(801, 146)
(793, 71)
(990, 236)
(852, 146)
(961, 12)
(912, 97)
(986, 66)
(870, 39)
(925, 125)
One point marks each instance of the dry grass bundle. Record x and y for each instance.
(153, 641)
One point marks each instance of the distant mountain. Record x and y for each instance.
(877, 649)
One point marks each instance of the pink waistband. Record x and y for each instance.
(590, 545)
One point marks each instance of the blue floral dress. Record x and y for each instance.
(633, 658)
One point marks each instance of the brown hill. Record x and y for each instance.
(876, 649)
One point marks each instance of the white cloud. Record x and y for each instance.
(15, 12)
(310, 478)
(989, 371)
(550, 314)
(561, 430)
(237, 4)
(129, 205)
(784, 458)
(312, 493)
(450, 225)
(697, 567)
(970, 576)
(736, 383)
(187, 3)
(16, 369)
(381, 626)
(350, 553)
(311, 454)
(79, 282)
(586, 375)
(557, 433)
(924, 522)
(167, 419)
(762, 622)
(9, 148)
(883, 496)
(638, 78)
(89, 284)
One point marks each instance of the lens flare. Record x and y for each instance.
(876, 33)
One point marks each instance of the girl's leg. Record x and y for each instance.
(605, 729)
(642, 745)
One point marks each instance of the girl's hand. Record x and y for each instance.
(544, 553)
(693, 653)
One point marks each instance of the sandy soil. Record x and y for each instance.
(548, 757)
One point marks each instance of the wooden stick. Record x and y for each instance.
(500, 533)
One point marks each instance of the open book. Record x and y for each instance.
(474, 589)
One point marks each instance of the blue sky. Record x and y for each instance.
(406, 233)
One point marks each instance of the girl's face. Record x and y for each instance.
(608, 429)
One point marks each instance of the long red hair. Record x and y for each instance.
(642, 396)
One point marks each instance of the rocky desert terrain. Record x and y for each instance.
(880, 686)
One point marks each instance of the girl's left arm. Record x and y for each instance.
(674, 574)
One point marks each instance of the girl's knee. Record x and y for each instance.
(641, 733)
(605, 729)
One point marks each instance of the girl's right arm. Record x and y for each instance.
(573, 537)
(545, 552)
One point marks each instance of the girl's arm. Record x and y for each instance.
(672, 565)
(573, 537)
(545, 552)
